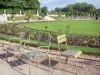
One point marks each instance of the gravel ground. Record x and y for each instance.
(91, 65)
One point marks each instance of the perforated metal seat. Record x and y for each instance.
(28, 55)
(12, 48)
(69, 52)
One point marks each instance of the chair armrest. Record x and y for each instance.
(44, 47)
(26, 42)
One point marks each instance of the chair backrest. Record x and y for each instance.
(45, 37)
(61, 39)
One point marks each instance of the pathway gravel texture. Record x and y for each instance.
(91, 65)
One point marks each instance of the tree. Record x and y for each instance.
(78, 9)
(13, 17)
(69, 14)
(28, 15)
(32, 4)
(53, 12)
(97, 14)
(58, 10)
(44, 11)
(19, 4)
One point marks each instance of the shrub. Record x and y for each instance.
(78, 40)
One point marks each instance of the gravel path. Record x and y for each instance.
(91, 65)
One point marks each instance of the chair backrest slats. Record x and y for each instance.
(61, 38)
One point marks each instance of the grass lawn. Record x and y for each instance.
(89, 27)
(85, 27)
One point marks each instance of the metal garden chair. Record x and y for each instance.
(69, 52)
(28, 56)
(14, 48)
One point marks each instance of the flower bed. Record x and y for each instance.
(78, 40)
(86, 50)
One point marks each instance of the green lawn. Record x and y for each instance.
(87, 27)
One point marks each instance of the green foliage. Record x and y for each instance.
(69, 14)
(53, 12)
(12, 17)
(77, 9)
(9, 29)
(44, 11)
(19, 18)
(97, 13)
(86, 50)
(85, 27)
(58, 10)
(82, 40)
(28, 15)
(59, 15)
(13, 6)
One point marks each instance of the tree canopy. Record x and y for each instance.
(15, 5)
(44, 11)
(77, 9)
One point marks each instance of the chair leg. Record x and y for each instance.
(49, 65)
(76, 66)
(82, 60)
(82, 63)
(14, 57)
(63, 69)
(66, 59)
(7, 56)
(38, 61)
(58, 61)
(29, 67)
(21, 63)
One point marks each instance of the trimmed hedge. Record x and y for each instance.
(86, 50)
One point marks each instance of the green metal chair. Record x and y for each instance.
(17, 48)
(69, 52)
(13, 49)
(28, 56)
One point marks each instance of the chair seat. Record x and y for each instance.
(72, 53)
(22, 51)
(12, 48)
(32, 54)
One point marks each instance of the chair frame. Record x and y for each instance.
(20, 42)
(60, 39)
(38, 48)
(7, 51)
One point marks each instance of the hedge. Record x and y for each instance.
(87, 50)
